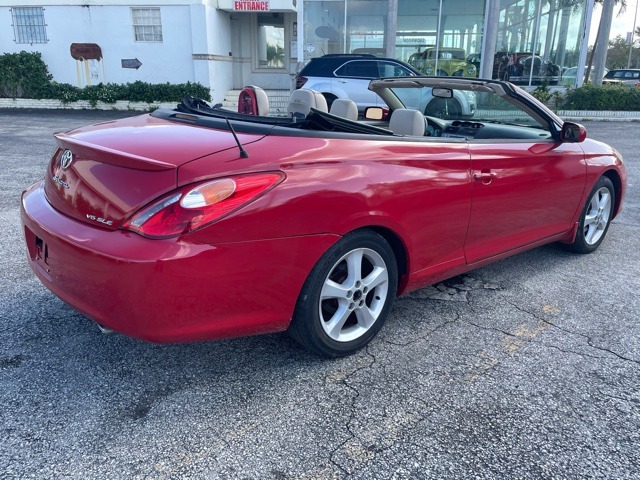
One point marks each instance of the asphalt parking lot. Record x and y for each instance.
(528, 368)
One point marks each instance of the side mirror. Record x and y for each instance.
(376, 113)
(573, 132)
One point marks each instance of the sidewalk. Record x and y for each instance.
(278, 103)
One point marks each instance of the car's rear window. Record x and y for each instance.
(359, 68)
(623, 74)
(321, 67)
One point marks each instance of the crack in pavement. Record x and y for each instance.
(352, 413)
(590, 341)
(425, 334)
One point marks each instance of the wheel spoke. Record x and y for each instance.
(354, 267)
(334, 326)
(375, 278)
(590, 234)
(365, 317)
(604, 201)
(331, 289)
(589, 220)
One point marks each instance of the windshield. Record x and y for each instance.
(482, 106)
(446, 54)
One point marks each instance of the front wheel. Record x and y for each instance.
(595, 217)
(347, 296)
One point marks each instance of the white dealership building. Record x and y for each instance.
(226, 44)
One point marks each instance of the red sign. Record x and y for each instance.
(242, 6)
(85, 51)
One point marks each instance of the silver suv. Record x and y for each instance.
(348, 76)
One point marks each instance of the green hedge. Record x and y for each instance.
(133, 92)
(603, 97)
(25, 75)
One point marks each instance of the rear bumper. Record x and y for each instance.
(168, 290)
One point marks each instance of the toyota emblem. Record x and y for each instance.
(66, 159)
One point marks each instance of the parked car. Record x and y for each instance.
(521, 67)
(569, 76)
(623, 76)
(201, 223)
(347, 76)
(378, 52)
(450, 62)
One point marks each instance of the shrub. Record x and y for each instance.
(542, 93)
(603, 97)
(24, 75)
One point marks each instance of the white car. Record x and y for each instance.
(348, 76)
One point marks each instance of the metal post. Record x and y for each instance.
(438, 33)
(392, 28)
(633, 32)
(582, 61)
(489, 38)
(536, 28)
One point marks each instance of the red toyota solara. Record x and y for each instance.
(201, 223)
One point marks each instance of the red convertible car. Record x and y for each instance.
(200, 223)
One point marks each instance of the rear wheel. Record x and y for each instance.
(595, 217)
(347, 296)
(329, 97)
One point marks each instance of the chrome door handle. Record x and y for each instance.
(484, 176)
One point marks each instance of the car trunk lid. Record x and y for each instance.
(103, 173)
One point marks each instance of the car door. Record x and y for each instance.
(524, 190)
(352, 79)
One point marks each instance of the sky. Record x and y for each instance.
(620, 25)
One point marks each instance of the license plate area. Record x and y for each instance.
(38, 249)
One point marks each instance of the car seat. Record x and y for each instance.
(345, 108)
(405, 121)
(253, 101)
(303, 99)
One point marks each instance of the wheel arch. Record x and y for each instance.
(399, 250)
(617, 185)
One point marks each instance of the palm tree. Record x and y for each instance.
(599, 51)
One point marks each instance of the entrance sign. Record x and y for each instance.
(247, 6)
(284, 6)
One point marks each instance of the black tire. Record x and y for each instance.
(595, 217)
(356, 304)
(445, 108)
(329, 97)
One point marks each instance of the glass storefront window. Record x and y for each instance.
(271, 45)
(455, 50)
(344, 26)
(538, 40)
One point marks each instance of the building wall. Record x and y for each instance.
(109, 26)
(200, 44)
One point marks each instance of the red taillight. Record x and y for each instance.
(300, 81)
(195, 206)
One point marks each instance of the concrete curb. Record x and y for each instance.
(51, 104)
(123, 105)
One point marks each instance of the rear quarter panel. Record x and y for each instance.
(419, 190)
